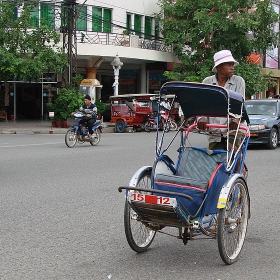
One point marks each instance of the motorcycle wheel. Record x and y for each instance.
(166, 126)
(173, 125)
(95, 138)
(70, 138)
(147, 126)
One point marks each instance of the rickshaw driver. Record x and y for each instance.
(224, 64)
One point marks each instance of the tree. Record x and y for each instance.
(198, 29)
(26, 51)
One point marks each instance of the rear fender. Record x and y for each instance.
(96, 125)
(226, 189)
(134, 180)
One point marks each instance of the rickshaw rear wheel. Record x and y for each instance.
(120, 126)
(232, 222)
(139, 237)
(70, 138)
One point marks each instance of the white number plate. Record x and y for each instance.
(152, 199)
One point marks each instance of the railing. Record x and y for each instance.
(122, 40)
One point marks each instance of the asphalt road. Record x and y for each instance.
(62, 216)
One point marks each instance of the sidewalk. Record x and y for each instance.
(39, 127)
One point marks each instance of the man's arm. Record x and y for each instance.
(240, 86)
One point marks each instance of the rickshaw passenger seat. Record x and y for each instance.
(197, 164)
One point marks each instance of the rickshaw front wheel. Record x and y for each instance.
(139, 237)
(232, 222)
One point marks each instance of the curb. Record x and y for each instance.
(28, 131)
(20, 130)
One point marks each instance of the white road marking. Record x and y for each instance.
(27, 145)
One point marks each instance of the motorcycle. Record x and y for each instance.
(79, 132)
(165, 122)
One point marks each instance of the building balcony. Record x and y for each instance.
(123, 40)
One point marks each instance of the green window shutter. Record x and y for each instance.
(62, 19)
(47, 15)
(137, 25)
(96, 19)
(107, 21)
(34, 17)
(15, 13)
(157, 29)
(128, 21)
(148, 27)
(82, 18)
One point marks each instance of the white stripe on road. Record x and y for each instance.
(27, 145)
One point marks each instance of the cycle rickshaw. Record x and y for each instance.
(204, 193)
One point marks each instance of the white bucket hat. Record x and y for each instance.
(222, 57)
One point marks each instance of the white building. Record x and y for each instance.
(104, 29)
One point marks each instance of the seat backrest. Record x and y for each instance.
(197, 164)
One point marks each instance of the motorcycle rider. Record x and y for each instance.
(165, 105)
(90, 110)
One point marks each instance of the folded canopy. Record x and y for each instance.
(197, 99)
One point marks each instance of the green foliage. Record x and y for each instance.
(25, 53)
(198, 29)
(100, 107)
(126, 32)
(68, 100)
(255, 80)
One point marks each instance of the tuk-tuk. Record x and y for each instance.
(131, 110)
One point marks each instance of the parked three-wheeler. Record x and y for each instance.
(131, 110)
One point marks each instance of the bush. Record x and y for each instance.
(68, 100)
(100, 107)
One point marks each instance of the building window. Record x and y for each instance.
(137, 25)
(34, 17)
(157, 29)
(42, 15)
(15, 13)
(107, 21)
(148, 28)
(101, 20)
(47, 15)
(128, 22)
(82, 18)
(96, 19)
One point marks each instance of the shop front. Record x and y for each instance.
(23, 101)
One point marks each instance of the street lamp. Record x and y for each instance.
(117, 64)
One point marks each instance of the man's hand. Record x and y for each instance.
(233, 124)
(201, 124)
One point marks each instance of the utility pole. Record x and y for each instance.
(68, 16)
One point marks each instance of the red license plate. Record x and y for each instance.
(152, 199)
